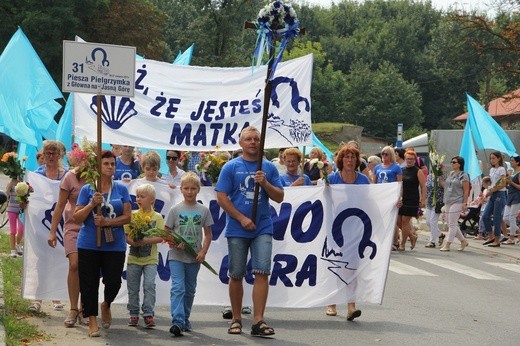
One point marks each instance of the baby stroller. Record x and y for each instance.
(468, 222)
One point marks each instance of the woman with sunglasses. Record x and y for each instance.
(388, 171)
(456, 192)
(173, 178)
(497, 201)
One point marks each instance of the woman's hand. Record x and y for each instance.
(51, 240)
(97, 199)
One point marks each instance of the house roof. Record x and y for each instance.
(504, 106)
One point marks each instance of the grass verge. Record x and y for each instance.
(17, 330)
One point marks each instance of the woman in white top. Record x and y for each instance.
(497, 200)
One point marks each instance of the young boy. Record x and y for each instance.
(150, 165)
(189, 219)
(143, 259)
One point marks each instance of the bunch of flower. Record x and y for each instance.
(211, 164)
(139, 225)
(277, 16)
(11, 166)
(88, 159)
(437, 166)
(23, 191)
(185, 160)
(323, 166)
(175, 238)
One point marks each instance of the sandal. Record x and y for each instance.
(441, 238)
(413, 241)
(236, 327)
(94, 333)
(331, 310)
(258, 330)
(35, 307)
(106, 315)
(72, 318)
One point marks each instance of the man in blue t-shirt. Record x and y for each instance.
(235, 194)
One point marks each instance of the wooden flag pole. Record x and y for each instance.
(98, 155)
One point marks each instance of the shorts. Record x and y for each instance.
(70, 241)
(261, 249)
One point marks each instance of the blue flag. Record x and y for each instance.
(184, 58)
(486, 131)
(27, 92)
(64, 131)
(467, 151)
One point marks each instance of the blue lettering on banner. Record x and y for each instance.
(141, 73)
(218, 133)
(207, 110)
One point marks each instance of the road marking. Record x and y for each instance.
(405, 269)
(462, 269)
(508, 266)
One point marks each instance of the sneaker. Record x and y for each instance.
(187, 326)
(246, 310)
(149, 322)
(133, 321)
(176, 330)
(35, 307)
(13, 254)
(19, 250)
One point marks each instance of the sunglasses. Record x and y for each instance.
(172, 158)
(454, 161)
(384, 154)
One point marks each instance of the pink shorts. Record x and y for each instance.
(70, 241)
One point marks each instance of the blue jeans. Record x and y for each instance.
(495, 207)
(182, 293)
(133, 282)
(261, 249)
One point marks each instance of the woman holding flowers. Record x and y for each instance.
(347, 162)
(14, 170)
(497, 201)
(311, 168)
(70, 186)
(108, 258)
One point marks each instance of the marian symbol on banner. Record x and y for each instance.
(345, 263)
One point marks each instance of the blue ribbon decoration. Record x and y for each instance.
(291, 33)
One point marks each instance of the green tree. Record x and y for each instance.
(379, 100)
(328, 85)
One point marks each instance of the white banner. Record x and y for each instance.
(202, 108)
(332, 244)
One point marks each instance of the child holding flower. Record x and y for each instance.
(143, 257)
(192, 221)
(14, 207)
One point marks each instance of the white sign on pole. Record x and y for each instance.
(96, 68)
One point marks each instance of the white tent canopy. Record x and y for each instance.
(419, 143)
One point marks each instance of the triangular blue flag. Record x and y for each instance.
(25, 86)
(185, 58)
(64, 131)
(467, 151)
(486, 131)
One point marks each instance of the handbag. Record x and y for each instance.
(438, 207)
